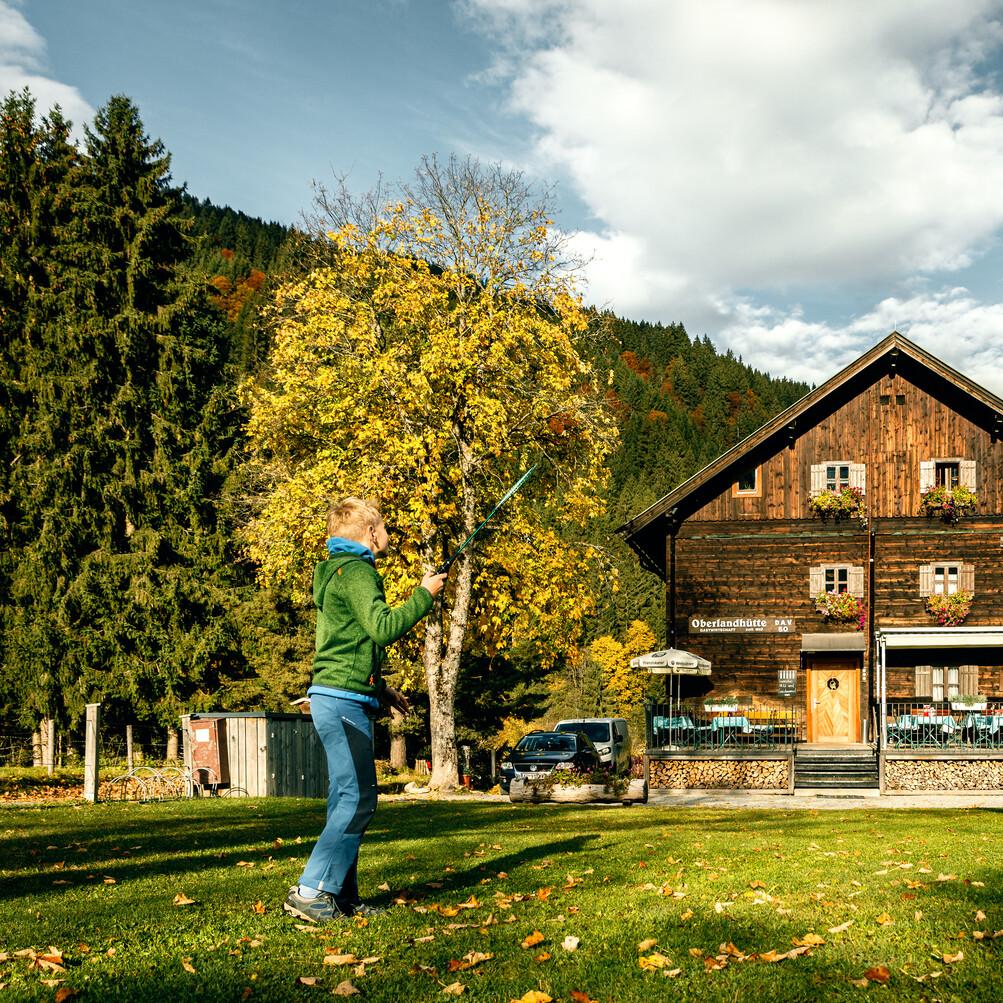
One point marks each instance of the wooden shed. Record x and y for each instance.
(264, 754)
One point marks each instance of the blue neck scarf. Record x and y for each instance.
(341, 545)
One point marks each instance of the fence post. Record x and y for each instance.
(128, 746)
(50, 746)
(91, 753)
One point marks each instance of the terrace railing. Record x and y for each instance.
(683, 728)
(916, 724)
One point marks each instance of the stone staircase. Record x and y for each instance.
(853, 767)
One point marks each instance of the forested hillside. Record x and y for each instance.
(130, 313)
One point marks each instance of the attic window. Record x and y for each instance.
(900, 398)
(747, 483)
(885, 399)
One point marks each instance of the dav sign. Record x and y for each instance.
(742, 625)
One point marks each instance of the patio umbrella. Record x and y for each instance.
(672, 662)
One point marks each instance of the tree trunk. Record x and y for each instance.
(398, 743)
(172, 745)
(444, 640)
(36, 747)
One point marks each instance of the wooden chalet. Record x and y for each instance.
(801, 563)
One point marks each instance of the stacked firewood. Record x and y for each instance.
(752, 774)
(944, 774)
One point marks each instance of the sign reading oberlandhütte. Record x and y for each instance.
(741, 624)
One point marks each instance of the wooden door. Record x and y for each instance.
(833, 705)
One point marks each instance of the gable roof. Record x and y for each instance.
(646, 532)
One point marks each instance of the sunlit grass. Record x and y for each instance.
(901, 888)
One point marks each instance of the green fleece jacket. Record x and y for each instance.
(355, 624)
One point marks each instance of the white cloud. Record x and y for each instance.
(742, 151)
(22, 64)
(951, 324)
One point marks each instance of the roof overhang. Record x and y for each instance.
(854, 641)
(940, 637)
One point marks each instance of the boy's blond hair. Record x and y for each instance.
(351, 517)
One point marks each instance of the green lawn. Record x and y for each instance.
(901, 889)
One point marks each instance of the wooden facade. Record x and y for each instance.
(742, 554)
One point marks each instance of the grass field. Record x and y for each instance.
(658, 903)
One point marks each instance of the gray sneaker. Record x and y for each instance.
(363, 909)
(322, 909)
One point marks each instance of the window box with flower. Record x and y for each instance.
(950, 610)
(841, 607)
(948, 504)
(839, 504)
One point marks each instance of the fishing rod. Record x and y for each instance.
(444, 569)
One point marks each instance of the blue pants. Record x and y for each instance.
(346, 730)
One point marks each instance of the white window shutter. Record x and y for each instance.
(924, 681)
(926, 580)
(817, 479)
(968, 680)
(816, 581)
(966, 474)
(855, 582)
(966, 578)
(858, 476)
(927, 475)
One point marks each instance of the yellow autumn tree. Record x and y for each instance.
(623, 687)
(430, 360)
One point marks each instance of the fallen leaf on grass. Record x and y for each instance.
(946, 877)
(950, 959)
(532, 940)
(541, 958)
(385, 887)
(686, 915)
(884, 920)
(533, 996)
(570, 943)
(245, 863)
(344, 989)
(646, 945)
(979, 916)
(107, 881)
(808, 940)
(417, 969)
(186, 964)
(879, 973)
(259, 907)
(182, 899)
(842, 928)
(454, 989)
(653, 962)
(757, 884)
(469, 960)
(579, 997)
(64, 993)
(340, 959)
(306, 980)
(860, 983)
(52, 962)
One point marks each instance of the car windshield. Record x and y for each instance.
(598, 731)
(546, 743)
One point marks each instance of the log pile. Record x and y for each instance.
(718, 774)
(943, 774)
(636, 791)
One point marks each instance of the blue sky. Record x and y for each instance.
(793, 179)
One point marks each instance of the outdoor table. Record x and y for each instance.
(984, 727)
(933, 729)
(727, 729)
(672, 728)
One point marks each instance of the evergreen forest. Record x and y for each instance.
(131, 312)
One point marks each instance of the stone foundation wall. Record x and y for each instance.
(722, 774)
(943, 774)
